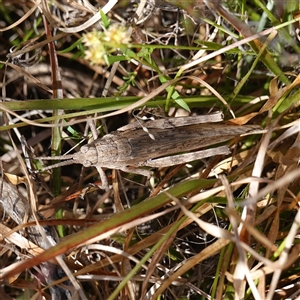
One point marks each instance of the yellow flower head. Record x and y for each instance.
(116, 35)
(100, 44)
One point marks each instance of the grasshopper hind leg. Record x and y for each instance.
(138, 171)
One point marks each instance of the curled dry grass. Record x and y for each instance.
(226, 227)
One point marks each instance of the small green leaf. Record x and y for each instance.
(287, 102)
(178, 99)
(114, 58)
(77, 44)
(105, 19)
(182, 104)
(74, 133)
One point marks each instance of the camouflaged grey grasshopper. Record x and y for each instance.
(173, 141)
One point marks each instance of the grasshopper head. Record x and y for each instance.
(87, 156)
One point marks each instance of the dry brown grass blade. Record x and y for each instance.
(29, 76)
(18, 240)
(23, 18)
(211, 250)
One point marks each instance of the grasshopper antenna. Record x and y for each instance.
(68, 158)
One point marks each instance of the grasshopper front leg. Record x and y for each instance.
(104, 182)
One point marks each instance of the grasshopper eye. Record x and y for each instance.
(87, 163)
(84, 149)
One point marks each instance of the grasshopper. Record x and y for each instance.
(172, 141)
